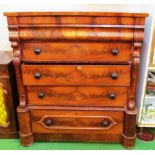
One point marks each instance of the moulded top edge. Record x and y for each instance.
(123, 14)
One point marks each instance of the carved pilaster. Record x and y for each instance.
(134, 74)
(25, 132)
(17, 64)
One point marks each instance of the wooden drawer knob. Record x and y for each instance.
(37, 51)
(48, 122)
(41, 95)
(37, 75)
(112, 96)
(106, 123)
(115, 52)
(114, 76)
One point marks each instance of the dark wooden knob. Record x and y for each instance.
(41, 95)
(114, 76)
(37, 75)
(48, 122)
(37, 51)
(106, 123)
(112, 96)
(115, 52)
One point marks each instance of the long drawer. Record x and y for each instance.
(79, 51)
(76, 75)
(77, 95)
(102, 122)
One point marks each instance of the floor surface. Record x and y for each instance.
(14, 144)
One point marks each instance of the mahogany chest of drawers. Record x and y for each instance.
(77, 75)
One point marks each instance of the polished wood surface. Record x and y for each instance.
(78, 20)
(76, 51)
(77, 74)
(77, 95)
(108, 14)
(89, 33)
(45, 121)
(115, 138)
(77, 27)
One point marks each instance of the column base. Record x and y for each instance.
(128, 142)
(26, 139)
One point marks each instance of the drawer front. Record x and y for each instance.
(76, 75)
(103, 122)
(77, 95)
(71, 52)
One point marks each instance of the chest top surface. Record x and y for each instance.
(126, 14)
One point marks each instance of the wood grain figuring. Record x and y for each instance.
(70, 20)
(75, 34)
(76, 121)
(77, 96)
(77, 26)
(76, 75)
(76, 51)
(78, 108)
